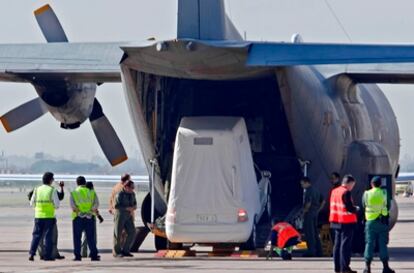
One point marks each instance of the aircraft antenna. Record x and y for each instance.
(337, 20)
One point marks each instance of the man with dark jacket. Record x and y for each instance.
(313, 203)
(343, 219)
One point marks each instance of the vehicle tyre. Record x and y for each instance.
(358, 243)
(160, 243)
(251, 243)
(174, 246)
(146, 210)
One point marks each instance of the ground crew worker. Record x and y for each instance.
(335, 180)
(115, 190)
(84, 204)
(376, 225)
(313, 202)
(343, 219)
(125, 206)
(84, 251)
(41, 247)
(283, 237)
(44, 200)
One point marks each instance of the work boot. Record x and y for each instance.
(387, 268)
(77, 259)
(60, 257)
(367, 267)
(96, 258)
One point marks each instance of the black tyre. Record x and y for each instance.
(174, 246)
(160, 242)
(358, 242)
(146, 210)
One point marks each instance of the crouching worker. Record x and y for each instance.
(283, 237)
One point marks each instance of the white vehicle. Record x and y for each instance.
(214, 196)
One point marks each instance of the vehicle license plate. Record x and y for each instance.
(206, 218)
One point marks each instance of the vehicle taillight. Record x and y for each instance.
(170, 216)
(242, 216)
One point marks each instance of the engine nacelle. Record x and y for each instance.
(69, 103)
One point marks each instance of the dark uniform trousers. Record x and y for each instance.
(343, 247)
(375, 231)
(55, 251)
(88, 226)
(85, 249)
(310, 228)
(43, 226)
(123, 220)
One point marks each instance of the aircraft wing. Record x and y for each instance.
(77, 62)
(217, 60)
(363, 63)
(286, 54)
(186, 58)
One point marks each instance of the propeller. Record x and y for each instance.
(32, 110)
(105, 134)
(23, 115)
(50, 25)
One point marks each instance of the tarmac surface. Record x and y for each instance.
(16, 224)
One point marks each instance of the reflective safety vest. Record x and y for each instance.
(285, 231)
(84, 199)
(375, 203)
(338, 212)
(43, 203)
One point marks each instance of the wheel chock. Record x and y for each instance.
(171, 254)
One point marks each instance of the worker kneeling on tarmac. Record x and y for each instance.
(283, 237)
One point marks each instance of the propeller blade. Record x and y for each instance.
(50, 25)
(23, 115)
(107, 138)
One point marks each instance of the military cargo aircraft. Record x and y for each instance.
(302, 102)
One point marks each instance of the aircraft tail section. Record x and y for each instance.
(205, 20)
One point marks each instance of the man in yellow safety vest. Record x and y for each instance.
(44, 200)
(84, 203)
(376, 225)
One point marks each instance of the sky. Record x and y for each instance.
(368, 21)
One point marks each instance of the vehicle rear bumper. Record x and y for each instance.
(218, 233)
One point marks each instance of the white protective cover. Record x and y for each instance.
(213, 179)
